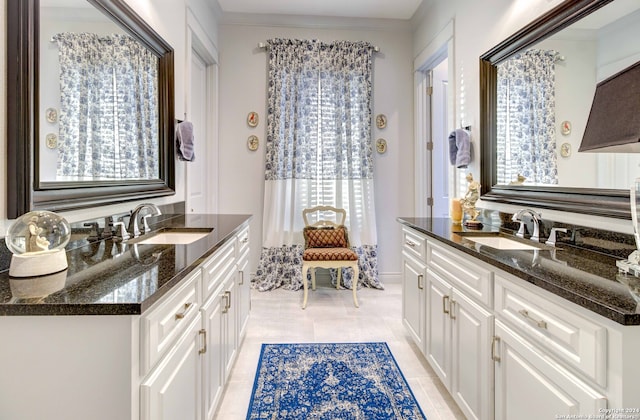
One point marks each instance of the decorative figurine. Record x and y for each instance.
(469, 202)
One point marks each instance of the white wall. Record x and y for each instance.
(243, 77)
(480, 25)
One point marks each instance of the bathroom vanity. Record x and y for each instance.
(531, 333)
(136, 330)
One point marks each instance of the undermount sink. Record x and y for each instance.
(500, 242)
(173, 237)
(494, 240)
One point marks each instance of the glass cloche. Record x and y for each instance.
(37, 240)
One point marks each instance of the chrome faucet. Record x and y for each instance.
(134, 226)
(517, 217)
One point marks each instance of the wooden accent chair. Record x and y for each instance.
(326, 245)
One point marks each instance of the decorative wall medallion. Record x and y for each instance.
(52, 115)
(52, 141)
(252, 119)
(252, 143)
(565, 128)
(381, 145)
(565, 150)
(381, 121)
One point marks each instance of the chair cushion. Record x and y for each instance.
(315, 237)
(329, 254)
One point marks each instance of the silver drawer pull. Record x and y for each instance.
(203, 349)
(182, 314)
(410, 243)
(494, 342)
(525, 313)
(445, 299)
(452, 313)
(241, 277)
(245, 240)
(227, 302)
(420, 281)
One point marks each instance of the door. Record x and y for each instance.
(213, 381)
(438, 326)
(244, 294)
(197, 171)
(173, 389)
(530, 385)
(440, 164)
(471, 371)
(413, 280)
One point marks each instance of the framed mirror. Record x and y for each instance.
(66, 148)
(585, 42)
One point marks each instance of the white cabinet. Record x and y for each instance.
(229, 327)
(505, 348)
(213, 366)
(413, 298)
(173, 389)
(458, 333)
(244, 283)
(532, 385)
(452, 329)
(195, 363)
(169, 363)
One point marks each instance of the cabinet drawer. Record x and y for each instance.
(215, 268)
(573, 338)
(465, 273)
(414, 243)
(243, 241)
(161, 326)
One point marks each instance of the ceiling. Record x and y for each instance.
(376, 9)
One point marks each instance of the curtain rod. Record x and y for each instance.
(264, 46)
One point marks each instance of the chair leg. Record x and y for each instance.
(313, 278)
(354, 285)
(305, 270)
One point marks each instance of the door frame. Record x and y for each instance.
(198, 41)
(441, 47)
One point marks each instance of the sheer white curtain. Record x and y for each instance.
(319, 152)
(526, 118)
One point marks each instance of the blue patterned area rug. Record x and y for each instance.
(331, 381)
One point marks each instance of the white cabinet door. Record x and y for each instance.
(471, 365)
(438, 326)
(244, 294)
(531, 385)
(172, 390)
(229, 320)
(413, 298)
(213, 366)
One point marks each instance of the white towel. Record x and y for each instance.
(184, 141)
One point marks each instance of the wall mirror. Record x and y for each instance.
(579, 43)
(74, 142)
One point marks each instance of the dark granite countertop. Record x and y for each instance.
(584, 277)
(111, 278)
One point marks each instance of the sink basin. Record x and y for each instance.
(173, 237)
(500, 242)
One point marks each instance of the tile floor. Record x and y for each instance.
(276, 317)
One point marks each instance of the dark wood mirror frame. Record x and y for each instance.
(601, 202)
(24, 192)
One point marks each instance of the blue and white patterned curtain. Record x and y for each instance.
(526, 118)
(109, 107)
(318, 152)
